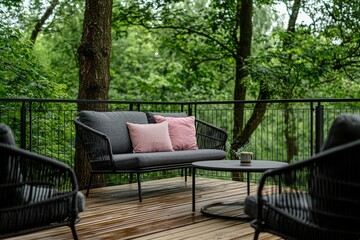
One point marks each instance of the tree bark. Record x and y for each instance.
(94, 70)
(290, 138)
(242, 131)
(243, 50)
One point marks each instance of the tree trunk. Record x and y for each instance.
(242, 132)
(289, 119)
(290, 133)
(94, 70)
(243, 50)
(39, 25)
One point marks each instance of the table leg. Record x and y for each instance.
(193, 188)
(235, 205)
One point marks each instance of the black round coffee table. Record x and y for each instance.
(230, 166)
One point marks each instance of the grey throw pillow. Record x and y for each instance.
(151, 119)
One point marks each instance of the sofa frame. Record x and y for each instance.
(101, 157)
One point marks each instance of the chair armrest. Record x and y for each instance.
(209, 136)
(35, 189)
(285, 191)
(96, 145)
(317, 190)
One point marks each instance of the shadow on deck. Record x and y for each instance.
(165, 213)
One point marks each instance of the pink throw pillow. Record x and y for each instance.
(150, 137)
(182, 131)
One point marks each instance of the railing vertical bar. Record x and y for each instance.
(30, 126)
(319, 127)
(190, 110)
(23, 126)
(311, 128)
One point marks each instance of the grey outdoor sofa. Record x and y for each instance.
(106, 141)
(36, 192)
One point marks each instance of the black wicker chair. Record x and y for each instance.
(316, 198)
(36, 192)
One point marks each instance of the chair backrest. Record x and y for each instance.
(6, 135)
(7, 168)
(11, 175)
(113, 124)
(344, 129)
(335, 180)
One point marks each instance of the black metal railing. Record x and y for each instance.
(46, 126)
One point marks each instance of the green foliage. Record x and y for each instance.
(193, 45)
(309, 66)
(183, 51)
(58, 51)
(248, 147)
(22, 75)
(152, 66)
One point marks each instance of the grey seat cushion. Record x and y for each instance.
(151, 119)
(301, 208)
(152, 159)
(113, 124)
(48, 212)
(250, 206)
(80, 201)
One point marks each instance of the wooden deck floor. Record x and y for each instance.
(165, 213)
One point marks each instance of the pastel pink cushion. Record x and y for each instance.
(182, 131)
(150, 137)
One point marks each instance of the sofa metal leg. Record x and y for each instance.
(186, 173)
(73, 231)
(139, 186)
(256, 234)
(131, 177)
(89, 185)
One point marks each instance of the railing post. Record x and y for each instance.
(311, 129)
(23, 126)
(319, 127)
(30, 126)
(190, 110)
(195, 110)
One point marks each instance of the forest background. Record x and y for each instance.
(183, 50)
(171, 50)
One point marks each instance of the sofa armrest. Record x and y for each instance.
(36, 191)
(209, 136)
(96, 145)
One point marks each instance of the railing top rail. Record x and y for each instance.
(38, 100)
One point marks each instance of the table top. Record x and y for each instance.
(234, 165)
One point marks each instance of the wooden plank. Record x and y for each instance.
(115, 213)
